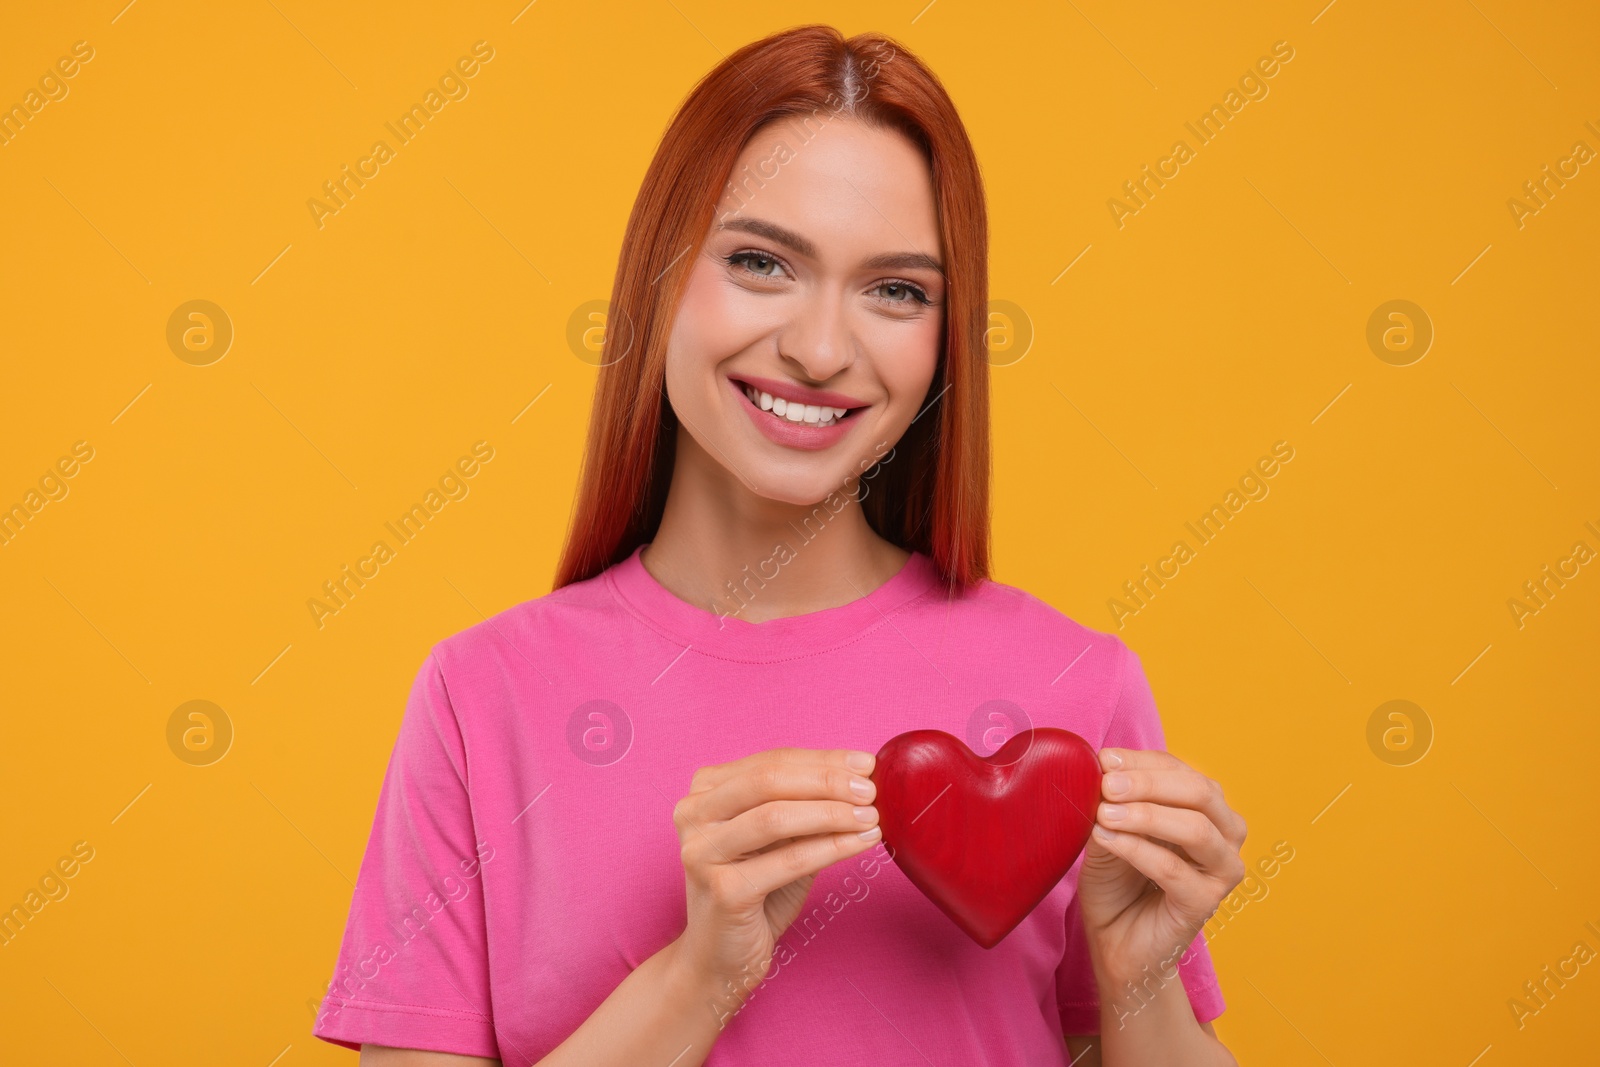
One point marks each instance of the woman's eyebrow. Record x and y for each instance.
(903, 261)
(793, 241)
(772, 232)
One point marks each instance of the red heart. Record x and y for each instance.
(986, 839)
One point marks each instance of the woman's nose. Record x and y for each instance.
(818, 339)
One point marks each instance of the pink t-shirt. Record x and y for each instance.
(523, 858)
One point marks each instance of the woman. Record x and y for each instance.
(778, 560)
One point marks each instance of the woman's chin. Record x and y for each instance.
(812, 493)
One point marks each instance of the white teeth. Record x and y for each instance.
(811, 414)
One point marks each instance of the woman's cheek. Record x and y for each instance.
(909, 354)
(741, 317)
(724, 320)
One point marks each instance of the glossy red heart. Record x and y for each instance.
(986, 838)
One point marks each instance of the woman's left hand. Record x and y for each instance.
(1172, 857)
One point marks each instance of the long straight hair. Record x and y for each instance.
(931, 493)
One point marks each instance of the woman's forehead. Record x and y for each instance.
(847, 184)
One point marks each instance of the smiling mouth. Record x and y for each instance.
(818, 415)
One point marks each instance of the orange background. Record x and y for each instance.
(1229, 313)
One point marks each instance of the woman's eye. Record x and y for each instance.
(762, 265)
(765, 263)
(899, 292)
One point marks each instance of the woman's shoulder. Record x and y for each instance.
(1047, 657)
(1013, 609)
(552, 624)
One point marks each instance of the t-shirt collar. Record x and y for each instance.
(717, 631)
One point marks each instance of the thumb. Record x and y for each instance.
(1097, 856)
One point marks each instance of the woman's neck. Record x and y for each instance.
(806, 557)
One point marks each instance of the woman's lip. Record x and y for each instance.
(806, 436)
(804, 394)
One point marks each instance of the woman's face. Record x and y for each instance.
(820, 285)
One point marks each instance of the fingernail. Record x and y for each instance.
(867, 814)
(1116, 783)
(861, 787)
(1113, 759)
(860, 761)
(1103, 834)
(872, 834)
(1111, 812)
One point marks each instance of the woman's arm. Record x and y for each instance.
(662, 1013)
(1161, 1032)
(753, 833)
(1146, 889)
(658, 1014)
(1083, 1048)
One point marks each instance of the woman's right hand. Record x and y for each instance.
(754, 834)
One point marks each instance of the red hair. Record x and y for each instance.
(933, 498)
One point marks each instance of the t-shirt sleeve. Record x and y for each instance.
(413, 968)
(1135, 724)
